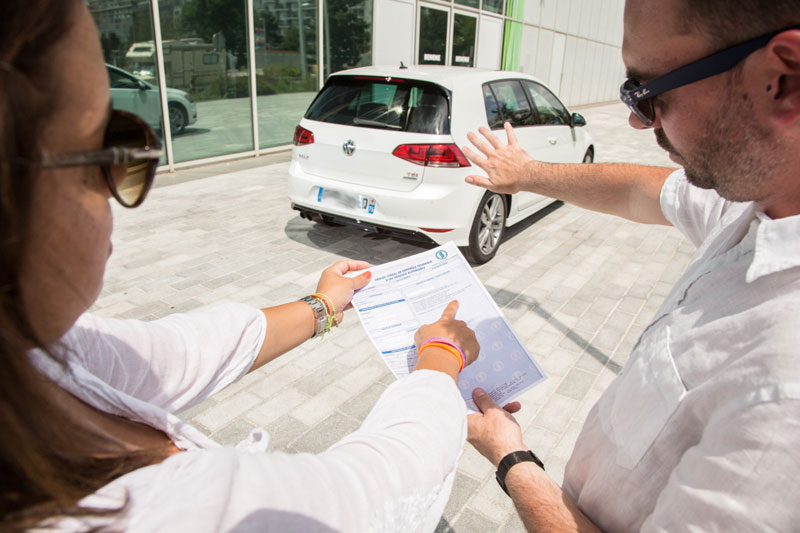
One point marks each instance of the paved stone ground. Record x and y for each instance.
(578, 287)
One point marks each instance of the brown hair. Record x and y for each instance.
(41, 473)
(727, 22)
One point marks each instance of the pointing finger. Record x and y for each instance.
(450, 310)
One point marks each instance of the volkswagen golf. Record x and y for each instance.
(378, 148)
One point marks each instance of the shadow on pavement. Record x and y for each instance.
(352, 242)
(506, 298)
(528, 222)
(378, 248)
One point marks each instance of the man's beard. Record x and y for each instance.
(733, 158)
(695, 177)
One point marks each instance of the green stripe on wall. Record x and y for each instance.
(512, 38)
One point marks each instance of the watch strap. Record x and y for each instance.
(510, 460)
(320, 314)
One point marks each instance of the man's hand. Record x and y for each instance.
(506, 164)
(493, 431)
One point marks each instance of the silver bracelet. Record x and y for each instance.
(320, 314)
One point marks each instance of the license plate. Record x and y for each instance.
(365, 203)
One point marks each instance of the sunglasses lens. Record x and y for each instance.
(643, 109)
(132, 179)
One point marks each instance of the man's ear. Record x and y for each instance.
(780, 75)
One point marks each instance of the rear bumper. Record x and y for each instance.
(319, 216)
(437, 206)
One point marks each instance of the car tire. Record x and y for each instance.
(487, 229)
(589, 156)
(178, 118)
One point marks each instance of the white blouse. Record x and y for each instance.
(394, 473)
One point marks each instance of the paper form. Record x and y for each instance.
(407, 293)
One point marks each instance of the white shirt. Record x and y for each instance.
(394, 473)
(701, 430)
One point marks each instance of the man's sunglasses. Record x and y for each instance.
(129, 157)
(639, 98)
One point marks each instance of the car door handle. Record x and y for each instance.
(552, 140)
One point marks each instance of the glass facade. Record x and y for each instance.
(205, 50)
(287, 66)
(209, 74)
(239, 74)
(432, 36)
(463, 52)
(348, 34)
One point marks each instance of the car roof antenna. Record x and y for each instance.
(402, 65)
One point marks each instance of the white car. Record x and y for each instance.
(378, 148)
(133, 94)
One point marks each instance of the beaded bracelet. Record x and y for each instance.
(447, 345)
(329, 306)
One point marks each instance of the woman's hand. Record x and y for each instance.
(340, 289)
(454, 330)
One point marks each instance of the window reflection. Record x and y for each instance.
(464, 40)
(432, 36)
(494, 6)
(286, 65)
(348, 34)
(121, 25)
(206, 66)
(205, 54)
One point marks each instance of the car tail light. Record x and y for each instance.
(302, 136)
(431, 155)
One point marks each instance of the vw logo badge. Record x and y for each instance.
(349, 147)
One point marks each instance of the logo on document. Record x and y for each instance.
(441, 255)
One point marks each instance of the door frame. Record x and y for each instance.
(451, 10)
(451, 23)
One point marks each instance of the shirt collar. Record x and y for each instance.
(777, 246)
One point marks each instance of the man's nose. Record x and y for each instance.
(636, 123)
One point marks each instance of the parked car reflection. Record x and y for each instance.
(133, 94)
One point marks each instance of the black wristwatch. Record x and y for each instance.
(510, 460)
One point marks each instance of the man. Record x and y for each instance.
(701, 428)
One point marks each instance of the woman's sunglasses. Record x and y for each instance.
(639, 97)
(129, 157)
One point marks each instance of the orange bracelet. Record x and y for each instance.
(326, 300)
(446, 347)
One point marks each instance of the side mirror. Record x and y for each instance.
(142, 85)
(578, 120)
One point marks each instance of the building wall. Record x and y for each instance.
(571, 45)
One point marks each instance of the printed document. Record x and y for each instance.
(407, 293)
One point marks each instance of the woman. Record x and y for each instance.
(88, 440)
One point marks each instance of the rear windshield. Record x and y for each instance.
(373, 102)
